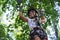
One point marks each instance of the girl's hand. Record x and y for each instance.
(43, 19)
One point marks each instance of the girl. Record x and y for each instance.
(36, 33)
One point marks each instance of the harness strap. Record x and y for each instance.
(39, 31)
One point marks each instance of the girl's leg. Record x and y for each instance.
(37, 37)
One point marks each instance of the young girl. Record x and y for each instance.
(36, 33)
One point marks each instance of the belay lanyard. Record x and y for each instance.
(18, 5)
(40, 14)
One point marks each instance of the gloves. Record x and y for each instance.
(18, 2)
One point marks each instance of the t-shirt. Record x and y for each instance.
(32, 23)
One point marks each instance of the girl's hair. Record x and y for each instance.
(31, 9)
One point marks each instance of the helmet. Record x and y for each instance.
(31, 9)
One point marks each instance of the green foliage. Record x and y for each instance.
(2, 31)
(50, 14)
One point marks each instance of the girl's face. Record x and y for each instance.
(37, 37)
(32, 14)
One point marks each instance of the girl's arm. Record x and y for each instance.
(23, 17)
